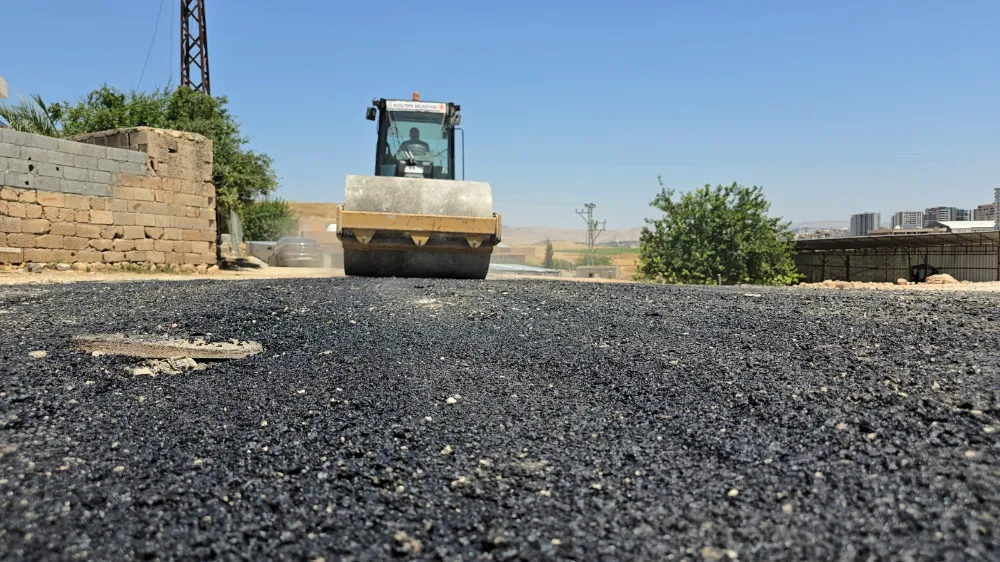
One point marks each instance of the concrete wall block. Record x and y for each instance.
(130, 180)
(85, 162)
(88, 256)
(9, 150)
(199, 247)
(35, 154)
(133, 232)
(17, 210)
(14, 179)
(63, 229)
(36, 226)
(113, 257)
(11, 255)
(32, 211)
(47, 169)
(10, 224)
(41, 141)
(76, 202)
(47, 183)
(70, 147)
(102, 217)
(51, 199)
(4, 163)
(112, 232)
(88, 231)
(109, 165)
(50, 241)
(82, 187)
(166, 221)
(123, 192)
(163, 196)
(78, 174)
(145, 219)
(124, 219)
(75, 243)
(123, 245)
(39, 255)
(19, 165)
(21, 240)
(135, 157)
(102, 245)
(122, 155)
(92, 150)
(97, 176)
(163, 245)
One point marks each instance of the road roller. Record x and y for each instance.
(414, 217)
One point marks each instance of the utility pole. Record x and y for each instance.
(592, 230)
(194, 46)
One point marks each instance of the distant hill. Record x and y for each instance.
(821, 225)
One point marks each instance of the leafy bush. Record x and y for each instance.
(716, 231)
(269, 219)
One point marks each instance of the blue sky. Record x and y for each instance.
(833, 107)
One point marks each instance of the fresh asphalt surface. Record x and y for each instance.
(593, 422)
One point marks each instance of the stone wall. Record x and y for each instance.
(140, 196)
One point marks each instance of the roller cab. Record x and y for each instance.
(413, 218)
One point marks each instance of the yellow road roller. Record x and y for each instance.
(413, 217)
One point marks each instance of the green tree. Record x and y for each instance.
(549, 253)
(716, 231)
(31, 116)
(241, 176)
(269, 219)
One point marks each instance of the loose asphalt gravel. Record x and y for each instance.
(586, 422)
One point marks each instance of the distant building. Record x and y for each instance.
(907, 219)
(965, 226)
(861, 223)
(945, 214)
(996, 203)
(985, 212)
(905, 231)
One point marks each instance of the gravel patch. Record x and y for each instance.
(502, 420)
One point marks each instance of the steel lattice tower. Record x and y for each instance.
(194, 46)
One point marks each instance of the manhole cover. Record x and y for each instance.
(164, 347)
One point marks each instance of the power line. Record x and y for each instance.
(159, 12)
(592, 230)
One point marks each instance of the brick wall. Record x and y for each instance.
(141, 196)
